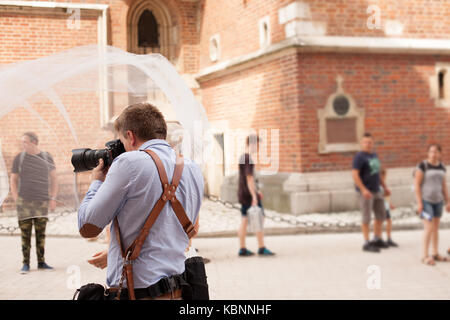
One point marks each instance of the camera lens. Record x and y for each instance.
(87, 159)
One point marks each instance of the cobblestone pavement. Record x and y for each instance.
(307, 266)
(219, 220)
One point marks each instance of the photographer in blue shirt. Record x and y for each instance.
(129, 189)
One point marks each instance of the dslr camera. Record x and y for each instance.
(85, 159)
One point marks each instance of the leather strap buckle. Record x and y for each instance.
(190, 231)
(127, 259)
(169, 192)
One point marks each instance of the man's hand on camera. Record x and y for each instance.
(100, 259)
(99, 172)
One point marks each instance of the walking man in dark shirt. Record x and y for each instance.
(33, 174)
(366, 175)
(249, 196)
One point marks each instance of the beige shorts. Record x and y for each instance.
(376, 203)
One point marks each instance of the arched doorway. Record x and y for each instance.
(151, 29)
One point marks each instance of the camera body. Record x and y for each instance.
(86, 159)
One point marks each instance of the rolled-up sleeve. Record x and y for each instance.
(105, 199)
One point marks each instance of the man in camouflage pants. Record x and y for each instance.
(33, 174)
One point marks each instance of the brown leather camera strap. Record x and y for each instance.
(168, 194)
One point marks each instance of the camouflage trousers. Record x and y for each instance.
(26, 226)
(39, 228)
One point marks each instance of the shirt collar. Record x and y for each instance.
(154, 142)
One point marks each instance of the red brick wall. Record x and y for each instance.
(280, 93)
(395, 93)
(33, 34)
(264, 96)
(48, 31)
(30, 36)
(27, 37)
(287, 92)
(421, 18)
(188, 15)
(118, 11)
(237, 21)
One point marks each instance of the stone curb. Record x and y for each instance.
(277, 231)
(312, 230)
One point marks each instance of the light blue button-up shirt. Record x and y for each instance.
(130, 190)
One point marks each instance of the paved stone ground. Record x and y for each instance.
(317, 266)
(219, 220)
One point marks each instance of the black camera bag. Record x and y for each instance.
(195, 275)
(90, 291)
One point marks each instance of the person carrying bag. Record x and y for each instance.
(255, 219)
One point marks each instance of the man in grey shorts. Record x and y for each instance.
(366, 175)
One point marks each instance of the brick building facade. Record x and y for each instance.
(314, 73)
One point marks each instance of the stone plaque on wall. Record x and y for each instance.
(341, 130)
(341, 122)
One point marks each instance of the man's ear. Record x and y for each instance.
(131, 137)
